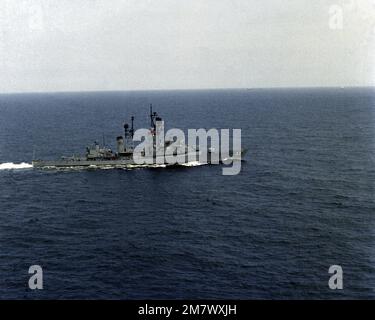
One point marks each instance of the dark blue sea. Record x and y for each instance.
(304, 200)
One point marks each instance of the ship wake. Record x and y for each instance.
(15, 166)
(24, 165)
(123, 167)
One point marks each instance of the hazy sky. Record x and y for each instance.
(60, 45)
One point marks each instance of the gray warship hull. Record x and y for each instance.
(126, 162)
(82, 162)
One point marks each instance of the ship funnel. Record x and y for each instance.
(128, 138)
(120, 145)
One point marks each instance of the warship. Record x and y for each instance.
(100, 156)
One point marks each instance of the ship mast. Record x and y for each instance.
(132, 128)
(151, 117)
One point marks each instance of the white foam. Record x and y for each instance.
(193, 164)
(157, 166)
(13, 166)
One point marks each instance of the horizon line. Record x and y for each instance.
(189, 89)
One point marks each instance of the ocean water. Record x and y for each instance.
(303, 201)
